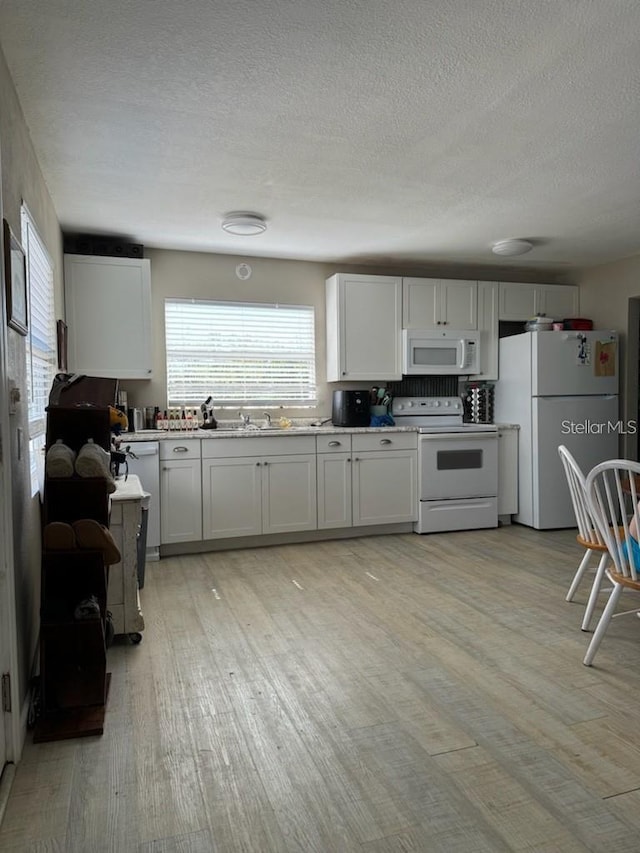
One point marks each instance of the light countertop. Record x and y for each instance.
(235, 432)
(162, 435)
(129, 489)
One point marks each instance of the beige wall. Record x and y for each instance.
(211, 276)
(22, 180)
(605, 294)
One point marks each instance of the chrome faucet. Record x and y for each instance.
(246, 419)
(267, 420)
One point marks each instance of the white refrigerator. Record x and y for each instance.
(561, 388)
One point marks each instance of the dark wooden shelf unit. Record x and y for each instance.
(75, 426)
(73, 654)
(74, 498)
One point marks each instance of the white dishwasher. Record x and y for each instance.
(147, 468)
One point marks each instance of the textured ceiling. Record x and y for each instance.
(364, 131)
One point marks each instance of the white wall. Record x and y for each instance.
(22, 179)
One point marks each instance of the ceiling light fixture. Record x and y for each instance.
(244, 224)
(511, 247)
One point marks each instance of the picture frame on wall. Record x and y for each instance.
(61, 333)
(15, 275)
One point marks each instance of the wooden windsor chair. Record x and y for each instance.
(588, 535)
(609, 487)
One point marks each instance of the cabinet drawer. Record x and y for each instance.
(179, 448)
(384, 441)
(220, 448)
(335, 443)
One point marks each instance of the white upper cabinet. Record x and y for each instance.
(558, 300)
(364, 328)
(431, 302)
(488, 295)
(108, 313)
(519, 301)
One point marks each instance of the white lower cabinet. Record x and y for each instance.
(289, 493)
(507, 470)
(231, 497)
(180, 491)
(334, 481)
(371, 480)
(270, 488)
(251, 486)
(123, 600)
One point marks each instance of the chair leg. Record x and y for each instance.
(578, 575)
(595, 591)
(607, 613)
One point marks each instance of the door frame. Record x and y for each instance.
(9, 635)
(631, 442)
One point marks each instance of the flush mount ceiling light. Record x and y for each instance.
(244, 224)
(511, 247)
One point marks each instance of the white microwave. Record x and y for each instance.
(440, 351)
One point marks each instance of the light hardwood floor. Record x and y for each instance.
(383, 694)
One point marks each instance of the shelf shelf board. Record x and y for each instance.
(68, 723)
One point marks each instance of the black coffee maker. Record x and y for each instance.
(350, 408)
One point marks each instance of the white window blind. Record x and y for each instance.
(41, 339)
(242, 354)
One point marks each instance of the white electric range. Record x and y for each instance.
(457, 465)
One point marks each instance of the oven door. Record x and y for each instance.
(457, 465)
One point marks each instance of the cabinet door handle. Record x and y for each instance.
(385, 441)
(348, 459)
(181, 449)
(265, 464)
(258, 464)
(356, 458)
(334, 444)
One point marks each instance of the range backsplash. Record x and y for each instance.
(424, 386)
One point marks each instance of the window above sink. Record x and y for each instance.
(243, 354)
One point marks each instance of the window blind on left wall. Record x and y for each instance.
(41, 340)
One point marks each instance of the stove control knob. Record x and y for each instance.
(436, 403)
(400, 406)
(410, 403)
(447, 403)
